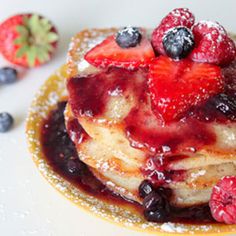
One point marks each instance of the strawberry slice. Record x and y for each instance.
(223, 200)
(109, 53)
(175, 86)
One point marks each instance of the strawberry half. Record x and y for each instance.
(109, 53)
(176, 86)
(27, 40)
(223, 200)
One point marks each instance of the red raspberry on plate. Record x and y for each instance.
(176, 86)
(212, 44)
(223, 200)
(177, 17)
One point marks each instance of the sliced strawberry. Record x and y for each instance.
(212, 44)
(177, 17)
(175, 86)
(109, 53)
(223, 200)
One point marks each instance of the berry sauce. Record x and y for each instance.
(89, 95)
(61, 155)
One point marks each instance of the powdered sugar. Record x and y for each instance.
(198, 174)
(79, 46)
(130, 30)
(180, 37)
(183, 15)
(172, 228)
(213, 45)
(216, 31)
(44, 101)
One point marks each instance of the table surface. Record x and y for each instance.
(28, 204)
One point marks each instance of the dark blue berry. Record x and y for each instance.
(225, 104)
(6, 122)
(128, 37)
(75, 167)
(178, 42)
(165, 193)
(153, 201)
(8, 75)
(145, 188)
(159, 215)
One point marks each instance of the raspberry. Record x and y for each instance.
(223, 200)
(212, 44)
(177, 17)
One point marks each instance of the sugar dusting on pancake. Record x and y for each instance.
(112, 135)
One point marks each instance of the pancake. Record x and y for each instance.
(124, 136)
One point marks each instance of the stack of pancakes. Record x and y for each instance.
(111, 155)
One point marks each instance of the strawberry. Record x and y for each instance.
(223, 200)
(27, 40)
(177, 17)
(176, 86)
(212, 44)
(109, 53)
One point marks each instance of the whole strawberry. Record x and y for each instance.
(28, 40)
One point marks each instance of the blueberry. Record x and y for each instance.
(72, 166)
(153, 201)
(225, 104)
(165, 193)
(145, 188)
(178, 42)
(128, 37)
(75, 167)
(6, 122)
(159, 215)
(8, 75)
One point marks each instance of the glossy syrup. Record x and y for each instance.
(61, 155)
(162, 144)
(88, 95)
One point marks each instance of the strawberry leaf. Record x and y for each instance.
(22, 51)
(52, 37)
(20, 40)
(46, 24)
(34, 24)
(31, 56)
(22, 30)
(36, 39)
(42, 55)
(49, 48)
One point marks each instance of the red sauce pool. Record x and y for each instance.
(61, 155)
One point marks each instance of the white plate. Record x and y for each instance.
(28, 204)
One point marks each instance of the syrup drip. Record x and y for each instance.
(61, 155)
